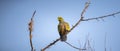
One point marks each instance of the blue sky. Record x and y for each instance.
(15, 16)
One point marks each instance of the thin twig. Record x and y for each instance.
(74, 46)
(89, 46)
(50, 44)
(105, 43)
(101, 17)
(81, 18)
(30, 30)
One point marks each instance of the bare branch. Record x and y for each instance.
(105, 43)
(30, 30)
(101, 17)
(87, 45)
(81, 18)
(74, 46)
(50, 44)
(33, 14)
(85, 8)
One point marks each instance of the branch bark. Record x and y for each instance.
(30, 31)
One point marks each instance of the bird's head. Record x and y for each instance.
(60, 19)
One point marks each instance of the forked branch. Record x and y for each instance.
(81, 18)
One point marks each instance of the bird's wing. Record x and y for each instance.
(67, 26)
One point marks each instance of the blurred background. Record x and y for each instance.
(15, 16)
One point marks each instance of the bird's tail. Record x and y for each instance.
(63, 38)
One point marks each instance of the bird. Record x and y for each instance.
(63, 28)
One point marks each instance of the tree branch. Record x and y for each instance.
(81, 18)
(30, 30)
(74, 46)
(50, 44)
(101, 17)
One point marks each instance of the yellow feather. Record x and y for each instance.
(63, 28)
